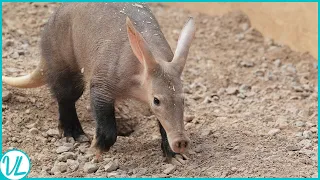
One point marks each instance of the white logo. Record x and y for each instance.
(15, 164)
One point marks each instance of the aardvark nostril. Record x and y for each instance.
(179, 145)
(182, 144)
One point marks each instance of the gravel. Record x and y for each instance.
(90, 167)
(112, 166)
(169, 169)
(62, 149)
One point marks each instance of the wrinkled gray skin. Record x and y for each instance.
(120, 50)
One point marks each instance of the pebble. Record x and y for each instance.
(66, 155)
(314, 129)
(73, 165)
(8, 43)
(53, 132)
(34, 131)
(112, 166)
(220, 91)
(169, 169)
(232, 90)
(277, 62)
(306, 143)
(113, 174)
(206, 132)
(299, 134)
(259, 73)
(307, 152)
(188, 118)
(90, 168)
(299, 124)
(273, 132)
(282, 122)
(59, 167)
(247, 64)
(141, 171)
(310, 124)
(15, 55)
(297, 88)
(244, 88)
(244, 26)
(304, 114)
(293, 148)
(240, 37)
(62, 149)
(6, 95)
(307, 134)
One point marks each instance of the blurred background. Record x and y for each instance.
(294, 24)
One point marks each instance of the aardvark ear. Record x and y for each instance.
(140, 47)
(184, 43)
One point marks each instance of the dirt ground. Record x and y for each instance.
(251, 105)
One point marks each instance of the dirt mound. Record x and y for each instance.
(251, 105)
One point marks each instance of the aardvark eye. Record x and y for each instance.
(156, 101)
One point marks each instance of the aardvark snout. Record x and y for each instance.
(180, 144)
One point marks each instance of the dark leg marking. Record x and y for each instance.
(104, 114)
(67, 87)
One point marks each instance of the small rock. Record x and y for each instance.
(289, 69)
(113, 174)
(206, 132)
(247, 64)
(73, 165)
(52, 132)
(15, 55)
(241, 95)
(244, 88)
(244, 26)
(66, 155)
(34, 131)
(220, 91)
(310, 124)
(90, 168)
(273, 132)
(314, 129)
(299, 124)
(299, 134)
(307, 152)
(307, 134)
(304, 114)
(232, 90)
(6, 95)
(277, 62)
(82, 149)
(282, 122)
(21, 52)
(169, 169)
(306, 143)
(188, 118)
(112, 166)
(8, 43)
(27, 111)
(60, 167)
(240, 37)
(62, 149)
(259, 73)
(293, 148)
(297, 88)
(142, 171)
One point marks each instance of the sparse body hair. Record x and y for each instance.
(119, 49)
